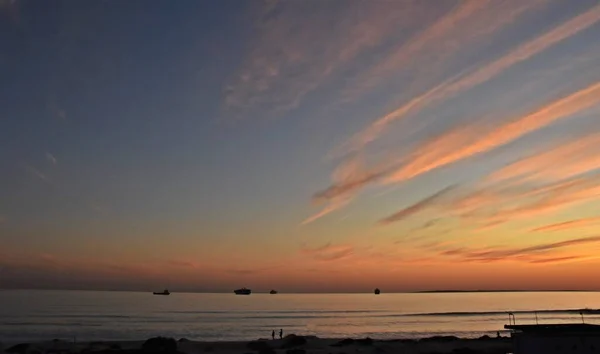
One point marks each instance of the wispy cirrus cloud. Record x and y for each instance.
(541, 253)
(534, 186)
(568, 225)
(417, 207)
(478, 75)
(50, 158)
(36, 172)
(249, 271)
(564, 259)
(284, 64)
(182, 263)
(574, 157)
(465, 142)
(451, 148)
(348, 179)
(494, 205)
(459, 144)
(329, 252)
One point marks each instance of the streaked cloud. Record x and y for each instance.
(284, 64)
(417, 207)
(50, 158)
(537, 253)
(564, 259)
(36, 172)
(464, 142)
(478, 75)
(459, 134)
(520, 201)
(575, 157)
(348, 179)
(451, 148)
(182, 263)
(246, 271)
(568, 225)
(329, 252)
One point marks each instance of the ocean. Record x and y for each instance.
(27, 315)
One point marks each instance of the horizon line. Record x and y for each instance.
(318, 293)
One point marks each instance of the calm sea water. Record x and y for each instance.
(86, 315)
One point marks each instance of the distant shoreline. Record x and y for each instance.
(503, 291)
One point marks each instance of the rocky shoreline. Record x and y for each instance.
(291, 344)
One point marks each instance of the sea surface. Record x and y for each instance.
(87, 315)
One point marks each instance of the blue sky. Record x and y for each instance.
(321, 135)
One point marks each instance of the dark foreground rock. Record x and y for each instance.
(441, 339)
(465, 351)
(258, 345)
(366, 341)
(295, 351)
(113, 351)
(349, 341)
(292, 340)
(344, 343)
(21, 348)
(160, 345)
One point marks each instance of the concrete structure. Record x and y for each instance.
(555, 338)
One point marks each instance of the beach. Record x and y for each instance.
(90, 316)
(290, 344)
(74, 322)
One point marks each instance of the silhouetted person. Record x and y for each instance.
(273, 334)
(281, 333)
(498, 334)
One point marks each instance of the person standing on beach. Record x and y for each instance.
(281, 333)
(273, 334)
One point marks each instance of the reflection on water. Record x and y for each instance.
(41, 315)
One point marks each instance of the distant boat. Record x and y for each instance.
(242, 291)
(377, 291)
(164, 292)
(272, 292)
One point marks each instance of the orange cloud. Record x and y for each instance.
(348, 179)
(417, 207)
(465, 142)
(463, 82)
(495, 205)
(574, 158)
(182, 263)
(331, 207)
(558, 259)
(329, 252)
(451, 147)
(299, 46)
(568, 225)
(532, 254)
(554, 199)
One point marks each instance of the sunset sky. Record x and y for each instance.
(305, 146)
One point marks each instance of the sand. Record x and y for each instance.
(289, 345)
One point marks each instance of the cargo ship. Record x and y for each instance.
(243, 291)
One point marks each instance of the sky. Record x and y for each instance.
(303, 146)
